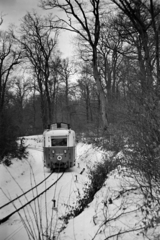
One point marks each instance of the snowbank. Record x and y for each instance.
(114, 213)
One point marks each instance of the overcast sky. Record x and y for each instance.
(14, 10)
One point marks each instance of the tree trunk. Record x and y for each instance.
(101, 92)
(66, 99)
(43, 111)
(43, 103)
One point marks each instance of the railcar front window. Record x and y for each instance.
(59, 142)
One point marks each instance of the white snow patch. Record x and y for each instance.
(112, 210)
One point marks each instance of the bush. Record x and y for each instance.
(9, 147)
(97, 177)
(145, 137)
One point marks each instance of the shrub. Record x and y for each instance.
(97, 177)
(9, 147)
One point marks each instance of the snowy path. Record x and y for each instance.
(105, 217)
(13, 179)
(19, 176)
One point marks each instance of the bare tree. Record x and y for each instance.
(86, 87)
(65, 73)
(109, 55)
(54, 84)
(39, 41)
(10, 56)
(87, 15)
(142, 19)
(21, 90)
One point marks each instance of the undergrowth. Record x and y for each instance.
(97, 176)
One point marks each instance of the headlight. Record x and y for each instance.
(59, 158)
(65, 151)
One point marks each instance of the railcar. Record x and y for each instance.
(59, 146)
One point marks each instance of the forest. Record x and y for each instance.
(109, 91)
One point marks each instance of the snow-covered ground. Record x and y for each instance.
(113, 211)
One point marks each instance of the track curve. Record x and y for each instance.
(17, 210)
(26, 192)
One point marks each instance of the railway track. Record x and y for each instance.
(25, 192)
(4, 219)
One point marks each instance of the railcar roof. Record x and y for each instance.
(59, 132)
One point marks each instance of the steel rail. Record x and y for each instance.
(6, 204)
(17, 210)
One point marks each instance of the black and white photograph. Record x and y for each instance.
(79, 119)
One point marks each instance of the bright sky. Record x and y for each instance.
(14, 10)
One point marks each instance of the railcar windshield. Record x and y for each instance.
(59, 126)
(58, 142)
